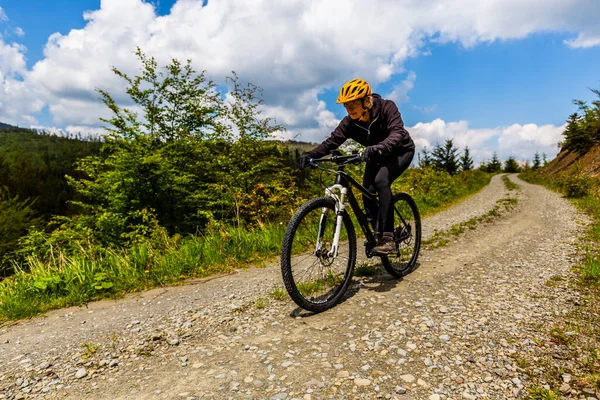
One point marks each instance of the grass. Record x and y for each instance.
(577, 333)
(510, 185)
(555, 280)
(260, 303)
(364, 270)
(591, 270)
(89, 275)
(315, 286)
(538, 393)
(89, 349)
(562, 336)
(442, 238)
(85, 273)
(279, 294)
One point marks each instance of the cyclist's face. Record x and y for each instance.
(354, 108)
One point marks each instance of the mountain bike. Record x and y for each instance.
(319, 252)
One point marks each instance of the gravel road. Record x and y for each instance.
(454, 329)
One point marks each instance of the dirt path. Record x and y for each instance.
(454, 329)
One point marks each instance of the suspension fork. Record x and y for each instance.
(339, 210)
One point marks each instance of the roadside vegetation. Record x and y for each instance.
(577, 333)
(442, 238)
(186, 184)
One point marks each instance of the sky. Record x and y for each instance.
(496, 76)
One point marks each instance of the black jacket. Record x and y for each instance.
(386, 130)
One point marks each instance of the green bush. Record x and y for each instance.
(16, 218)
(577, 184)
(434, 188)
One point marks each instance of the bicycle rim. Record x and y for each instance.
(315, 278)
(407, 235)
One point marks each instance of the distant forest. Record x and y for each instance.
(33, 166)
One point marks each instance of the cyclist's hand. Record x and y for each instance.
(371, 153)
(303, 160)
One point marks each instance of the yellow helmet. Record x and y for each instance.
(352, 90)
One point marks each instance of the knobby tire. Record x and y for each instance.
(300, 261)
(399, 266)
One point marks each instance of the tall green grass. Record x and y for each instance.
(590, 269)
(435, 190)
(81, 272)
(584, 192)
(91, 274)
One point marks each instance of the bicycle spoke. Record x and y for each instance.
(315, 278)
(407, 235)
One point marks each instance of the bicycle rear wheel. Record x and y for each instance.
(315, 277)
(407, 235)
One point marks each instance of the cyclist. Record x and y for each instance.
(376, 124)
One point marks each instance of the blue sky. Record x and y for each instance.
(498, 78)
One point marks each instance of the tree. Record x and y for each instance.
(537, 162)
(493, 166)
(16, 217)
(445, 157)
(511, 165)
(466, 162)
(182, 159)
(425, 160)
(583, 127)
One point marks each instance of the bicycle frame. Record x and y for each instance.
(340, 191)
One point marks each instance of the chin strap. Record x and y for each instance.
(366, 115)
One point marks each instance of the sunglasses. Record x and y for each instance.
(353, 103)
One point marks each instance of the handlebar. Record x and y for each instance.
(338, 159)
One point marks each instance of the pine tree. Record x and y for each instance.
(445, 157)
(425, 160)
(511, 165)
(494, 165)
(466, 162)
(583, 127)
(537, 162)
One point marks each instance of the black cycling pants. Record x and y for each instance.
(378, 178)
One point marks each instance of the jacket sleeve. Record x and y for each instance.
(337, 137)
(398, 136)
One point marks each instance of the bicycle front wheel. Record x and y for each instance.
(407, 236)
(315, 273)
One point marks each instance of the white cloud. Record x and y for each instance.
(18, 102)
(426, 109)
(518, 141)
(583, 41)
(308, 118)
(12, 59)
(400, 92)
(288, 48)
(3, 16)
(294, 49)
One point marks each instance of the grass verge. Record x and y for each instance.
(576, 334)
(86, 273)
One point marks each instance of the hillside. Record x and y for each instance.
(566, 161)
(33, 166)
(7, 126)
